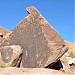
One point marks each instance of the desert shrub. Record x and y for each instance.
(71, 54)
(1, 65)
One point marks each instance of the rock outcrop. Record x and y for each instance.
(35, 47)
(41, 43)
(3, 33)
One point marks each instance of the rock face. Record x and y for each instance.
(41, 44)
(10, 56)
(3, 33)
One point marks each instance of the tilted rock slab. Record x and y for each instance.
(41, 44)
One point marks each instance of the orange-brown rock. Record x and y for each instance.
(3, 33)
(41, 43)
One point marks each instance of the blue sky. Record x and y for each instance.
(59, 13)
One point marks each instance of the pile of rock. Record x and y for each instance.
(33, 43)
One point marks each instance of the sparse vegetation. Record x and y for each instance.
(1, 65)
(71, 54)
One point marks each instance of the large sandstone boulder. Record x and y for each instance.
(41, 43)
(10, 56)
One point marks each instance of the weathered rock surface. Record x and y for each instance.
(41, 44)
(30, 71)
(3, 33)
(10, 56)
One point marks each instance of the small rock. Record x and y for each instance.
(10, 55)
(71, 60)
